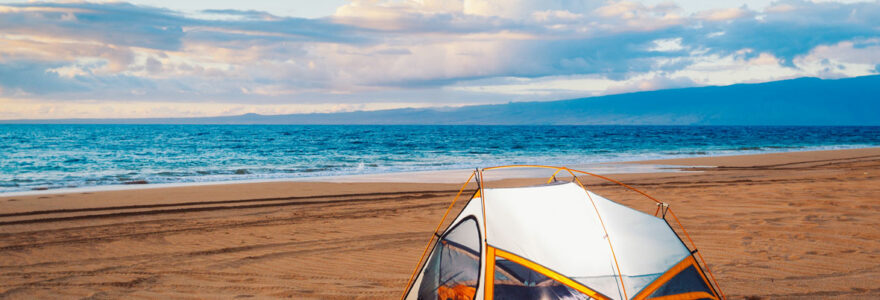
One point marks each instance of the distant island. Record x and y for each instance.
(802, 101)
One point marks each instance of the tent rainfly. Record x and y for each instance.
(558, 241)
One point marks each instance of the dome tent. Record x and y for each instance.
(557, 241)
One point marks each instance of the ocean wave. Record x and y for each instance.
(192, 154)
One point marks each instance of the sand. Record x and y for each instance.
(789, 225)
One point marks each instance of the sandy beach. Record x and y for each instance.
(771, 226)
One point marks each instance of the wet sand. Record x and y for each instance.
(788, 225)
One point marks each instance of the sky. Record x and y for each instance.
(159, 58)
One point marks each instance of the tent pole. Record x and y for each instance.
(553, 177)
(483, 204)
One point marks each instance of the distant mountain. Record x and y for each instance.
(802, 101)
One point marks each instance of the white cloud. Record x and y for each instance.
(844, 59)
(665, 45)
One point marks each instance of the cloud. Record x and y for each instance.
(794, 31)
(245, 14)
(109, 23)
(112, 49)
(555, 15)
(125, 24)
(431, 52)
(725, 14)
(34, 77)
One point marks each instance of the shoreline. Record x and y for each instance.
(433, 176)
(671, 164)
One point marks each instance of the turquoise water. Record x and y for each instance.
(59, 156)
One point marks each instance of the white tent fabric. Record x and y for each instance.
(645, 245)
(557, 227)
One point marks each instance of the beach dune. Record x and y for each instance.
(786, 225)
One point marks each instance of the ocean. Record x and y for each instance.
(40, 157)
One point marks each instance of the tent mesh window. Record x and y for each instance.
(686, 281)
(514, 281)
(453, 270)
